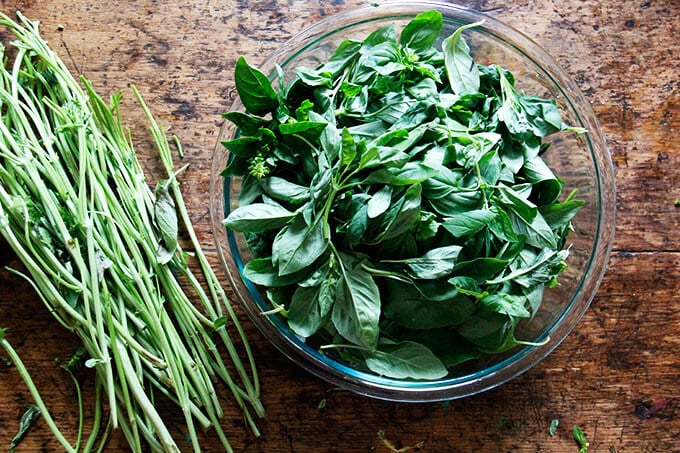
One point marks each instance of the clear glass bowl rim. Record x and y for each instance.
(526, 357)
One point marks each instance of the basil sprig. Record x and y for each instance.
(396, 200)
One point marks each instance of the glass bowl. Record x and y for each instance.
(583, 162)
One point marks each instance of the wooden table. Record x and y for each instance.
(617, 375)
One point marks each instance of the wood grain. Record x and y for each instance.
(621, 358)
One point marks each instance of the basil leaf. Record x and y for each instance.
(507, 304)
(304, 314)
(422, 31)
(480, 268)
(258, 217)
(314, 78)
(347, 51)
(245, 146)
(356, 311)
(298, 245)
(537, 232)
(310, 129)
(547, 186)
(446, 344)
(468, 223)
(405, 360)
(379, 202)
(468, 286)
(436, 263)
(559, 215)
(406, 306)
(461, 70)
(403, 215)
(410, 173)
(165, 219)
(246, 124)
(487, 329)
(262, 271)
(284, 190)
(357, 226)
(27, 419)
(254, 89)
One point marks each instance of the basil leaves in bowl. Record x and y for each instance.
(416, 196)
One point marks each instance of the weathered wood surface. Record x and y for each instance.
(625, 56)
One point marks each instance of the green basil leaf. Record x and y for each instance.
(383, 34)
(424, 90)
(422, 31)
(246, 146)
(356, 310)
(559, 215)
(543, 267)
(480, 268)
(314, 78)
(254, 89)
(262, 271)
(284, 190)
(246, 124)
(534, 297)
(468, 286)
(436, 290)
(405, 305)
(460, 68)
(27, 419)
(468, 223)
(165, 219)
(501, 226)
(357, 226)
(258, 217)
(348, 150)
(545, 270)
(379, 202)
(446, 344)
(514, 201)
(304, 313)
(512, 113)
(548, 187)
(405, 360)
(487, 329)
(346, 52)
(543, 115)
(298, 245)
(330, 139)
(507, 304)
(537, 232)
(307, 128)
(409, 173)
(405, 214)
(435, 263)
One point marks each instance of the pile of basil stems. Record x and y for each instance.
(101, 250)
